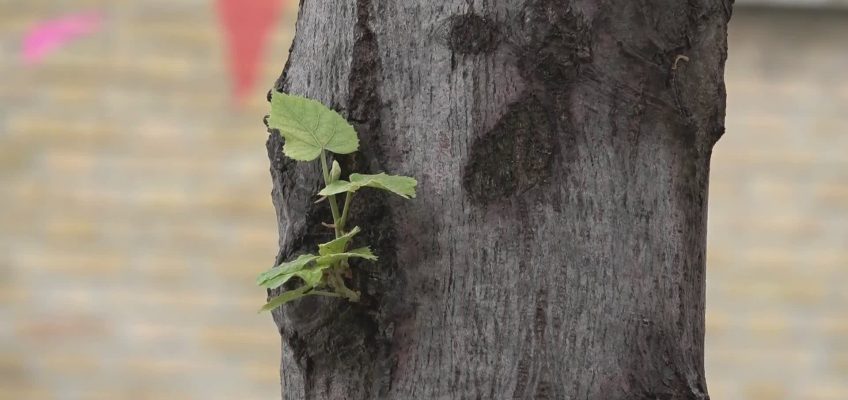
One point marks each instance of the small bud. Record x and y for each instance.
(335, 172)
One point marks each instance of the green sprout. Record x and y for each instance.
(311, 130)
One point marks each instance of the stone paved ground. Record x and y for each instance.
(135, 212)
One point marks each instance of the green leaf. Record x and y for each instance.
(362, 252)
(310, 127)
(312, 276)
(337, 245)
(403, 186)
(337, 187)
(285, 268)
(285, 298)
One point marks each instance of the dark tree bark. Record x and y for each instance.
(556, 248)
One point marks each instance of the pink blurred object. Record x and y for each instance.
(50, 35)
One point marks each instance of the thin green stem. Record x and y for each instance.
(325, 293)
(334, 207)
(337, 283)
(345, 209)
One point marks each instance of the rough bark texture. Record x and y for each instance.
(556, 248)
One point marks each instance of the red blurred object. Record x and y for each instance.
(247, 25)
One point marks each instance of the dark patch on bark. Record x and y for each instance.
(658, 365)
(544, 385)
(472, 34)
(540, 318)
(378, 283)
(521, 377)
(517, 154)
(544, 389)
(556, 42)
(530, 374)
(365, 71)
(514, 156)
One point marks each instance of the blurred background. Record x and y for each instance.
(135, 208)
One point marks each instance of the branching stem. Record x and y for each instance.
(345, 210)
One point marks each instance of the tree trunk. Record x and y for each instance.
(556, 247)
